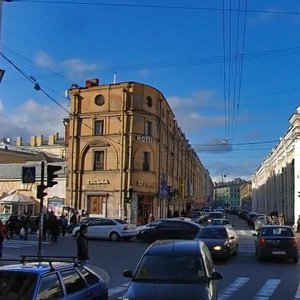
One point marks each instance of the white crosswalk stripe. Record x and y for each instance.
(245, 232)
(20, 244)
(264, 291)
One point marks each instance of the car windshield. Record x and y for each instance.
(212, 233)
(170, 268)
(16, 285)
(277, 231)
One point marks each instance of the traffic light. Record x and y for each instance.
(51, 176)
(40, 191)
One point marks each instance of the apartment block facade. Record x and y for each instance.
(127, 156)
(276, 183)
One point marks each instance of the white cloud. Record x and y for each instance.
(77, 67)
(43, 59)
(30, 119)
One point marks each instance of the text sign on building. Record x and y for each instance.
(28, 174)
(145, 139)
(98, 181)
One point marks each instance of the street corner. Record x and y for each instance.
(101, 272)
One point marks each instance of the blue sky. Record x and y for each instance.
(230, 76)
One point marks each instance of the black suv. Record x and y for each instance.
(168, 229)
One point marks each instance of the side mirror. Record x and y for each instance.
(128, 274)
(216, 276)
(254, 234)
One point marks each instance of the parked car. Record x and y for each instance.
(106, 228)
(250, 217)
(168, 229)
(276, 241)
(172, 270)
(221, 221)
(48, 278)
(221, 240)
(259, 221)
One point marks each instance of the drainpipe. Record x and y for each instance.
(121, 199)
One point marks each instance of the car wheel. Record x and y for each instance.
(295, 259)
(236, 250)
(258, 256)
(146, 237)
(114, 236)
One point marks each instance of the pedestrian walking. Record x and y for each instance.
(3, 236)
(280, 219)
(82, 245)
(151, 217)
(298, 224)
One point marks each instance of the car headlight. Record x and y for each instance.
(217, 248)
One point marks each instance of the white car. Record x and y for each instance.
(106, 228)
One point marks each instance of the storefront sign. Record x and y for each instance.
(98, 181)
(140, 183)
(145, 139)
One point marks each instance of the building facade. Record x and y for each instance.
(276, 183)
(126, 155)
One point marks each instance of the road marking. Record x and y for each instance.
(297, 296)
(267, 289)
(21, 243)
(233, 288)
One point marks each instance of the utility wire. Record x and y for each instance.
(212, 9)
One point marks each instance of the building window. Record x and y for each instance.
(146, 161)
(98, 128)
(98, 160)
(148, 128)
(149, 101)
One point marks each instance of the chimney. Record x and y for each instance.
(51, 140)
(39, 140)
(19, 141)
(33, 141)
(91, 82)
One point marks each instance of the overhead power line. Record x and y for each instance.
(147, 6)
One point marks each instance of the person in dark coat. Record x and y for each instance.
(82, 245)
(3, 235)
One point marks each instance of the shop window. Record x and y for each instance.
(98, 160)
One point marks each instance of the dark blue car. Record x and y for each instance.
(44, 278)
(174, 270)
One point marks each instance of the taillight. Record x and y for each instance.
(294, 242)
(262, 242)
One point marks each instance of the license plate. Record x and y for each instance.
(278, 252)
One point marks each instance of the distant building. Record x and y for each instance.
(276, 183)
(227, 194)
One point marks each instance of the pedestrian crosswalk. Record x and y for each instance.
(245, 232)
(264, 290)
(18, 244)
